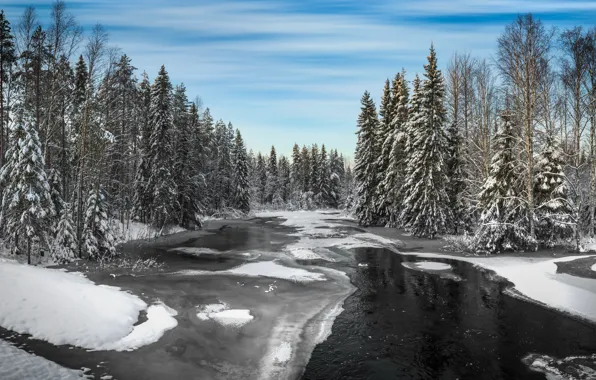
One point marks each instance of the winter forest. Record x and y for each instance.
(85, 142)
(499, 150)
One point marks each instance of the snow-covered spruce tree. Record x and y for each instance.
(336, 171)
(426, 209)
(456, 186)
(395, 172)
(283, 168)
(323, 186)
(296, 179)
(305, 163)
(27, 208)
(65, 246)
(385, 138)
(142, 197)
(55, 188)
(261, 176)
(184, 168)
(365, 171)
(98, 240)
(554, 211)
(205, 148)
(161, 185)
(502, 225)
(241, 184)
(272, 186)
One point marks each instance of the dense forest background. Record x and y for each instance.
(86, 143)
(500, 150)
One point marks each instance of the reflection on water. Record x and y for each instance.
(408, 324)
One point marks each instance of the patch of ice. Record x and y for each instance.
(16, 364)
(364, 265)
(282, 353)
(160, 318)
(197, 251)
(432, 265)
(232, 317)
(220, 313)
(272, 269)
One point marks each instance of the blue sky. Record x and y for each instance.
(294, 70)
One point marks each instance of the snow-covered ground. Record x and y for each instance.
(67, 308)
(16, 364)
(593, 267)
(139, 231)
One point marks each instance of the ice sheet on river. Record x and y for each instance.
(537, 279)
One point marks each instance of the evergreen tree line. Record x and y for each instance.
(502, 150)
(82, 145)
(312, 178)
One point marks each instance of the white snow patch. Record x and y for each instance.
(593, 267)
(272, 269)
(16, 364)
(432, 265)
(67, 308)
(282, 353)
(160, 318)
(364, 265)
(233, 317)
(221, 314)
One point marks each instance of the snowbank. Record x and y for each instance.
(224, 316)
(16, 364)
(67, 308)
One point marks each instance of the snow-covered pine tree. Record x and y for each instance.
(142, 197)
(98, 240)
(7, 59)
(241, 181)
(283, 168)
(55, 188)
(365, 171)
(458, 204)
(396, 169)
(305, 163)
(27, 208)
(161, 183)
(385, 137)
(184, 169)
(272, 186)
(65, 247)
(296, 179)
(502, 226)
(323, 188)
(261, 175)
(335, 179)
(554, 211)
(206, 151)
(425, 202)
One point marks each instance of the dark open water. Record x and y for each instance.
(407, 324)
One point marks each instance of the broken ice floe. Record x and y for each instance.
(570, 368)
(221, 314)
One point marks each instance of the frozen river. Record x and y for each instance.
(314, 297)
